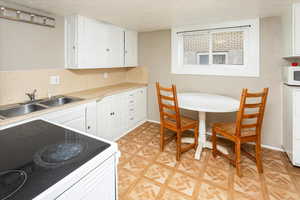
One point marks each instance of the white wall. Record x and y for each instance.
(155, 53)
(26, 46)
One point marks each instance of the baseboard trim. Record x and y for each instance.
(272, 148)
(153, 121)
(263, 145)
(131, 129)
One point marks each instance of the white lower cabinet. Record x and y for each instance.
(91, 118)
(109, 117)
(73, 117)
(119, 113)
(291, 126)
(81, 118)
(98, 184)
(77, 124)
(137, 107)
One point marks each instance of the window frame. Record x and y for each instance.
(251, 65)
(220, 53)
(201, 54)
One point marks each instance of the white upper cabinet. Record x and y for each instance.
(291, 31)
(131, 48)
(92, 44)
(115, 49)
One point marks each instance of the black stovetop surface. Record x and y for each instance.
(42, 153)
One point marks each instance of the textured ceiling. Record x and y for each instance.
(149, 15)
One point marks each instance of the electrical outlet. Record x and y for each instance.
(105, 75)
(57, 80)
(54, 80)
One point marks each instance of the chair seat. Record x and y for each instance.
(185, 122)
(229, 128)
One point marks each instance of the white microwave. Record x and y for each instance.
(291, 75)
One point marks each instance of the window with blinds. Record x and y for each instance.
(231, 49)
(213, 48)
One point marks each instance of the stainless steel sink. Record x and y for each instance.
(29, 107)
(19, 110)
(58, 101)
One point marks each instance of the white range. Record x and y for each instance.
(46, 161)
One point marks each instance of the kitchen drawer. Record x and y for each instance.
(131, 95)
(131, 109)
(131, 121)
(67, 115)
(131, 101)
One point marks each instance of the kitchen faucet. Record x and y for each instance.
(32, 95)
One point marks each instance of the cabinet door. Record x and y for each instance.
(70, 42)
(118, 109)
(104, 118)
(296, 114)
(131, 48)
(296, 126)
(288, 121)
(297, 29)
(115, 46)
(110, 117)
(77, 124)
(91, 118)
(92, 43)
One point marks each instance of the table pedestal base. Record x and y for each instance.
(202, 142)
(208, 144)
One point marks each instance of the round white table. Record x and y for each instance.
(203, 103)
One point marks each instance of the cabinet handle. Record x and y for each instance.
(88, 127)
(73, 47)
(107, 50)
(130, 101)
(131, 118)
(126, 51)
(131, 109)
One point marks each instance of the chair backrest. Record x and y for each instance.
(168, 104)
(250, 115)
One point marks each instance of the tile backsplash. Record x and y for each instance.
(14, 84)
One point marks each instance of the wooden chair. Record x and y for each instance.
(247, 128)
(170, 119)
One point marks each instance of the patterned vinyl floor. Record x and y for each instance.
(145, 173)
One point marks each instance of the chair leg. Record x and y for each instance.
(196, 136)
(238, 157)
(233, 149)
(178, 146)
(214, 142)
(258, 156)
(162, 138)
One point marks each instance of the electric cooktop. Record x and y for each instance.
(36, 155)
